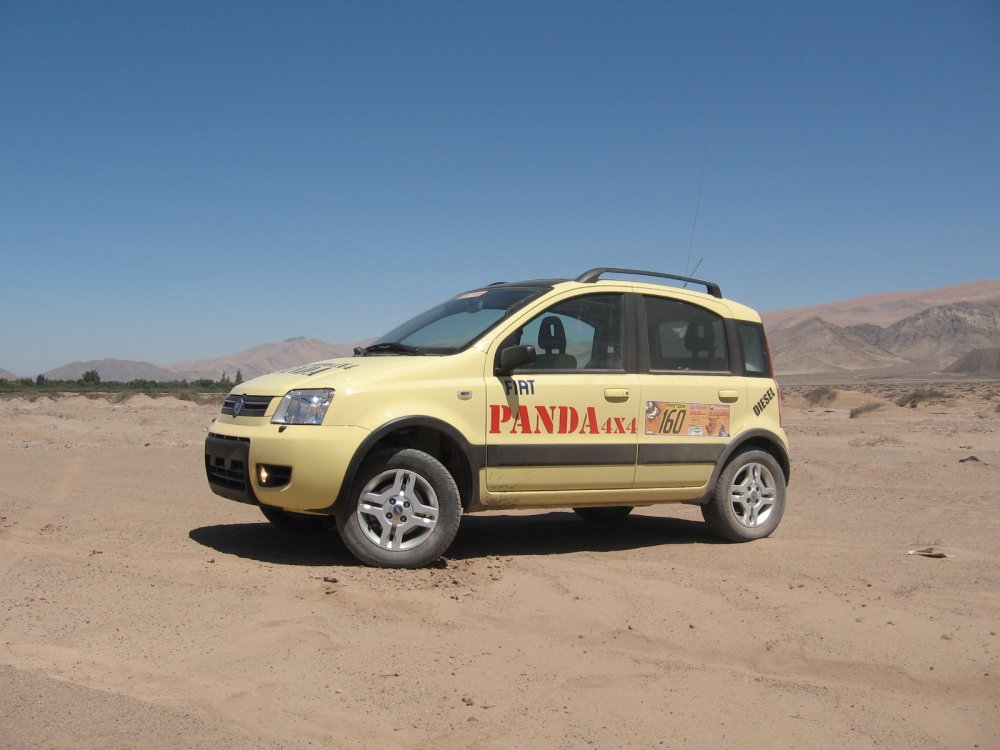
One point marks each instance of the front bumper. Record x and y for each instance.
(317, 457)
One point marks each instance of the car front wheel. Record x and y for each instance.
(403, 511)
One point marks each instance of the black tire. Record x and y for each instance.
(403, 511)
(298, 523)
(602, 514)
(749, 498)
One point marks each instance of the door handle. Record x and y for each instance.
(616, 394)
(728, 397)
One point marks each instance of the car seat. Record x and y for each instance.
(699, 339)
(607, 354)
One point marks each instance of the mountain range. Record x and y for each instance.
(915, 332)
(953, 328)
(249, 363)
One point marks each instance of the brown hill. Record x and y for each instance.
(940, 334)
(978, 361)
(122, 370)
(922, 331)
(260, 359)
(814, 345)
(256, 360)
(7, 375)
(885, 309)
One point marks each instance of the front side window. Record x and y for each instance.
(582, 333)
(685, 337)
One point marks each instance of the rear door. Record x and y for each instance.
(693, 395)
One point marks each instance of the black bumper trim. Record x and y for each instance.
(227, 467)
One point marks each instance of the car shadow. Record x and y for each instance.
(556, 533)
(560, 533)
(265, 543)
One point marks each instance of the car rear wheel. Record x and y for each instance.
(602, 514)
(403, 512)
(749, 498)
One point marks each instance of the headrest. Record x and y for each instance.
(699, 336)
(552, 335)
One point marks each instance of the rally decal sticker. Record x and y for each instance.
(519, 387)
(690, 420)
(766, 399)
(310, 370)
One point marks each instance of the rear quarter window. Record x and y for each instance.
(753, 343)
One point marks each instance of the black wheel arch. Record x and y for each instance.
(437, 438)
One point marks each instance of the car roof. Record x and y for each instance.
(712, 292)
(594, 275)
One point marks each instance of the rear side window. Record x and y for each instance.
(756, 359)
(685, 337)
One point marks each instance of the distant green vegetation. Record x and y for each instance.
(90, 383)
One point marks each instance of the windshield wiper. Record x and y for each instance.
(389, 347)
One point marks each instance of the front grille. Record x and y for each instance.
(227, 467)
(231, 477)
(253, 406)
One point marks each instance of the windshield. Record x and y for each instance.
(453, 325)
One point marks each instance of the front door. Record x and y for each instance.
(570, 420)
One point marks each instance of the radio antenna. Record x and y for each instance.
(693, 270)
(697, 207)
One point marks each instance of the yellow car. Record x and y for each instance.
(599, 394)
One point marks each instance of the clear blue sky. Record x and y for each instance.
(186, 179)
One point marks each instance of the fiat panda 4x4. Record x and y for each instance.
(597, 394)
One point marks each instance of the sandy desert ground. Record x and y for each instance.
(138, 610)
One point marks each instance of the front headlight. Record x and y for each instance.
(303, 407)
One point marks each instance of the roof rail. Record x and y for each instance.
(595, 273)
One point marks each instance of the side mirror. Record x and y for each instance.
(514, 357)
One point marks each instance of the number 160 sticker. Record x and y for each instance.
(690, 420)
